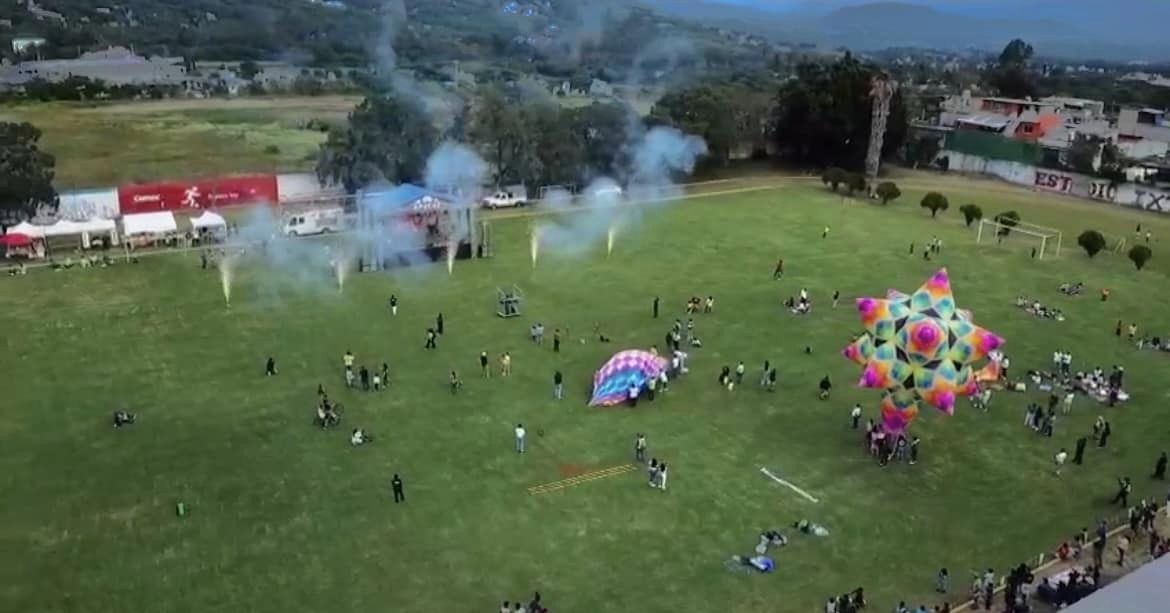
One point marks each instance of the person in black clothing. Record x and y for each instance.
(558, 385)
(655, 307)
(455, 382)
(364, 377)
(1160, 467)
(779, 272)
(826, 386)
(483, 365)
(439, 324)
(725, 375)
(1123, 488)
(393, 304)
(396, 486)
(270, 367)
(914, 450)
(1079, 454)
(557, 340)
(430, 339)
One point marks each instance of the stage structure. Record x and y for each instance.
(408, 224)
(508, 301)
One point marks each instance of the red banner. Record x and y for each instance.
(202, 194)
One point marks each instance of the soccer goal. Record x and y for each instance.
(1045, 241)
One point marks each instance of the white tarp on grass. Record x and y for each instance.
(149, 223)
(65, 227)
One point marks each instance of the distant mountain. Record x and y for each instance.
(1102, 29)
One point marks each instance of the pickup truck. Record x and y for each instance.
(503, 200)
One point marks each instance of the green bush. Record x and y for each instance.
(1092, 241)
(935, 202)
(1139, 255)
(1008, 220)
(888, 191)
(834, 177)
(855, 182)
(971, 213)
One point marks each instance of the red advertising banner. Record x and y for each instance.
(201, 194)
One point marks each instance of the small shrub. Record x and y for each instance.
(888, 191)
(1092, 241)
(971, 213)
(834, 177)
(855, 182)
(272, 150)
(935, 202)
(1139, 255)
(1008, 220)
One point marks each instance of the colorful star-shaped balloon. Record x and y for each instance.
(918, 347)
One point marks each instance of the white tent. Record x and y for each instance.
(208, 220)
(149, 223)
(64, 227)
(27, 229)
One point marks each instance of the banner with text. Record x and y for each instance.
(193, 195)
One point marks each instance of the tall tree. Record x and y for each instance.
(497, 126)
(555, 146)
(26, 172)
(387, 138)
(823, 116)
(602, 131)
(1011, 77)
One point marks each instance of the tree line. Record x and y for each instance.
(821, 118)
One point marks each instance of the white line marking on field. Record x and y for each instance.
(788, 485)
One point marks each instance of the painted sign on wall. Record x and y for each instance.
(1053, 182)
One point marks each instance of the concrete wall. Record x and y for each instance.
(1130, 195)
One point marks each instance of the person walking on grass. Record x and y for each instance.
(270, 367)
(396, 487)
(394, 305)
(521, 433)
(1122, 548)
(778, 273)
(455, 382)
(855, 415)
(431, 339)
(1160, 467)
(836, 297)
(484, 371)
(1123, 489)
(640, 447)
(654, 308)
(1059, 459)
(558, 385)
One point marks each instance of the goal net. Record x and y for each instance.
(1040, 241)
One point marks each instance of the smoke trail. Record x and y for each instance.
(440, 104)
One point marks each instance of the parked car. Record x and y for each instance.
(504, 200)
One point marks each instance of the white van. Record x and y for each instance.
(317, 221)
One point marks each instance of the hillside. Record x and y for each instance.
(561, 38)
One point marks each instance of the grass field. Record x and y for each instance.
(109, 144)
(285, 517)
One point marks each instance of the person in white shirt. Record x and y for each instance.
(662, 476)
(1056, 359)
(803, 295)
(358, 438)
(1068, 402)
(520, 434)
(1060, 458)
(855, 415)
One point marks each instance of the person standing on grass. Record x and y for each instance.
(764, 374)
(709, 306)
(1132, 331)
(506, 364)
(825, 234)
(394, 305)
(558, 385)
(650, 384)
(640, 447)
(825, 386)
(364, 376)
(1106, 431)
(1068, 402)
(836, 297)
(1160, 467)
(1079, 454)
(1061, 456)
(778, 273)
(455, 382)
(662, 476)
(942, 581)
(556, 340)
(1117, 328)
(1122, 548)
(739, 370)
(632, 395)
(1123, 488)
(439, 324)
(521, 433)
(654, 308)
(270, 367)
(348, 360)
(855, 415)
(377, 382)
(430, 340)
(484, 371)
(772, 379)
(396, 487)
(914, 450)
